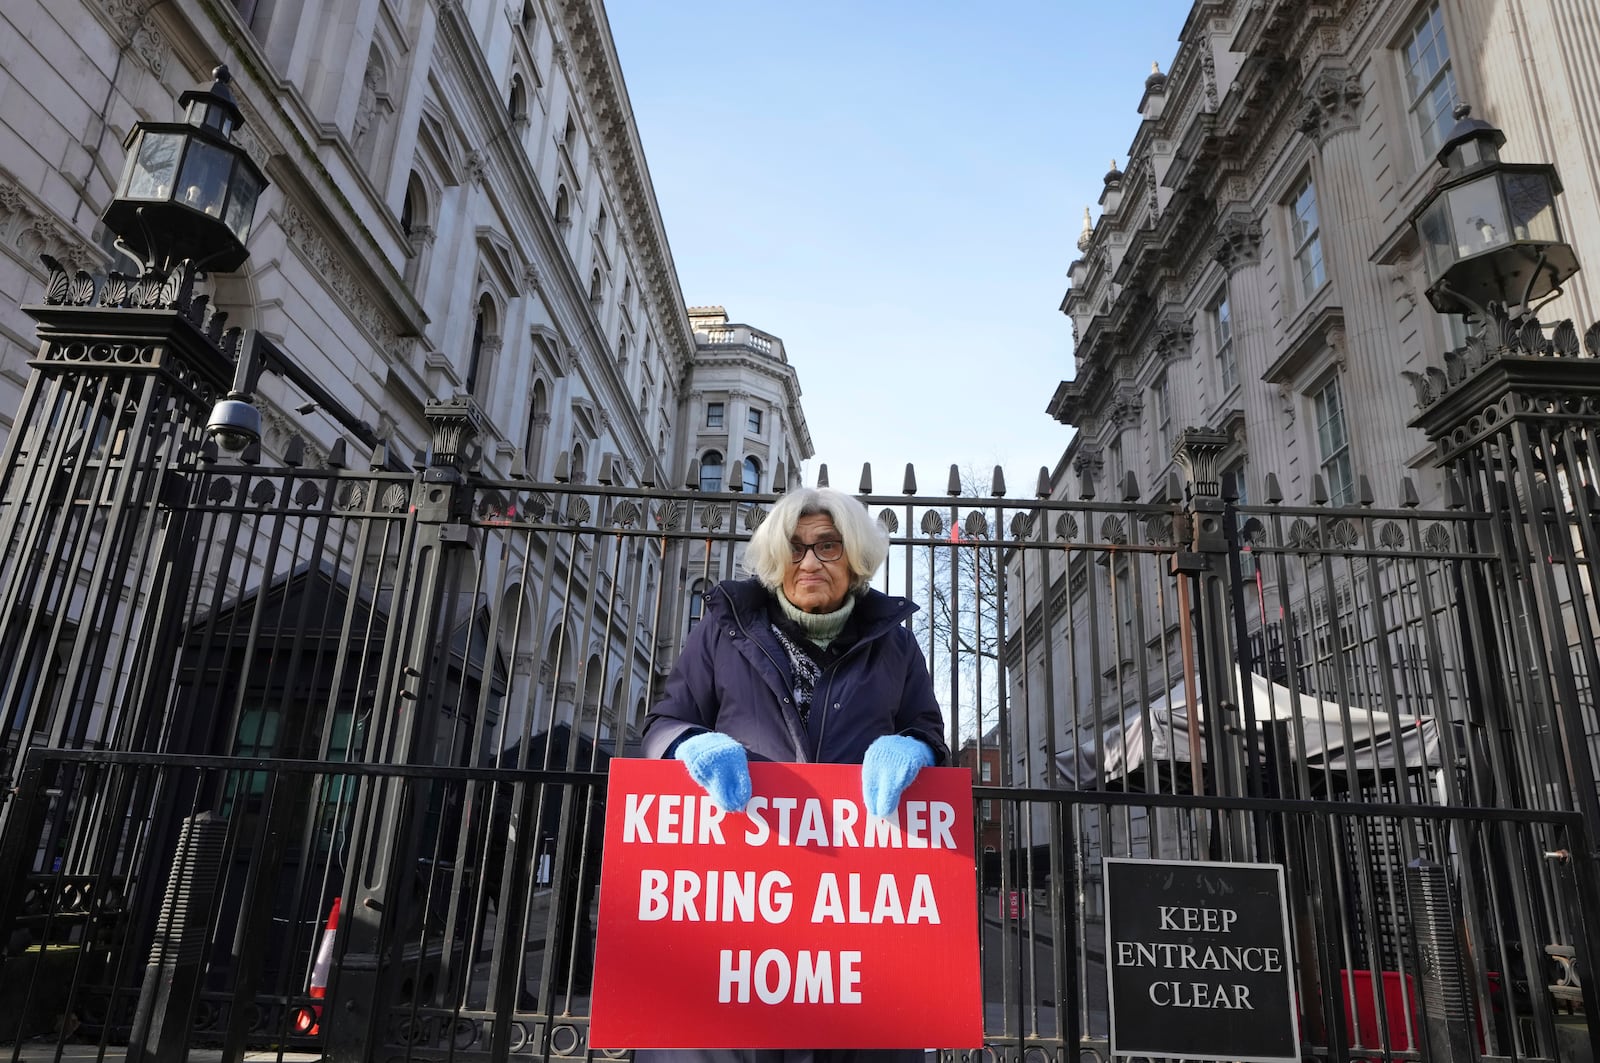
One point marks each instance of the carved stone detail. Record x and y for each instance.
(327, 264)
(1238, 242)
(1333, 105)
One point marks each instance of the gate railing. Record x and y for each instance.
(157, 924)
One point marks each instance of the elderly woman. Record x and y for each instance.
(805, 662)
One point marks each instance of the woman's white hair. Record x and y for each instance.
(865, 542)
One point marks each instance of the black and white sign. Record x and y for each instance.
(1198, 961)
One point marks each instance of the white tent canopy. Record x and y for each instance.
(1319, 732)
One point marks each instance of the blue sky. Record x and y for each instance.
(896, 189)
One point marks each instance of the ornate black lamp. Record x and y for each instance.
(1489, 231)
(188, 192)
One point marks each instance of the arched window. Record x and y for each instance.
(517, 101)
(563, 205)
(483, 326)
(594, 288)
(752, 476)
(697, 602)
(409, 208)
(711, 471)
(414, 223)
(371, 108)
(580, 475)
(538, 421)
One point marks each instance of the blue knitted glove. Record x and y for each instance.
(719, 765)
(891, 764)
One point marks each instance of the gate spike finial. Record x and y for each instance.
(1130, 487)
(822, 475)
(866, 478)
(953, 485)
(1274, 494)
(691, 479)
(909, 485)
(1408, 493)
(997, 483)
(1043, 488)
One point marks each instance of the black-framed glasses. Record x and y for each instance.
(825, 549)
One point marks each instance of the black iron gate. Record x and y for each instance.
(312, 758)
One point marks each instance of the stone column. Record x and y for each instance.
(1238, 250)
(1375, 403)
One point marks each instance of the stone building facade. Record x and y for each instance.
(1253, 269)
(743, 429)
(459, 205)
(1252, 273)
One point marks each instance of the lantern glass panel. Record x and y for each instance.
(204, 184)
(242, 203)
(1438, 245)
(1531, 204)
(155, 165)
(1478, 217)
(211, 116)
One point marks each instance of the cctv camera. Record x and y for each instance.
(234, 423)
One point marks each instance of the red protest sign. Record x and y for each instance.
(800, 923)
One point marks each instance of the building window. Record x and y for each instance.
(711, 471)
(563, 205)
(1430, 83)
(601, 221)
(1307, 233)
(529, 20)
(752, 422)
(1333, 444)
(594, 288)
(1241, 490)
(714, 412)
(1163, 397)
(517, 100)
(1222, 336)
(988, 771)
(477, 361)
(752, 476)
(697, 603)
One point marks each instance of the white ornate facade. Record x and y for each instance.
(459, 204)
(1253, 270)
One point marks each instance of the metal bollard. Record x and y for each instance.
(177, 955)
(1446, 1002)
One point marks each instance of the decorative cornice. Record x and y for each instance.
(329, 266)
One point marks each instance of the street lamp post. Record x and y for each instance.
(102, 458)
(1489, 230)
(1507, 418)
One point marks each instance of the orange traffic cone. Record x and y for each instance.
(308, 1020)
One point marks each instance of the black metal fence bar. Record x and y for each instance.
(141, 929)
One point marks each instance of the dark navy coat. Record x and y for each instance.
(734, 677)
